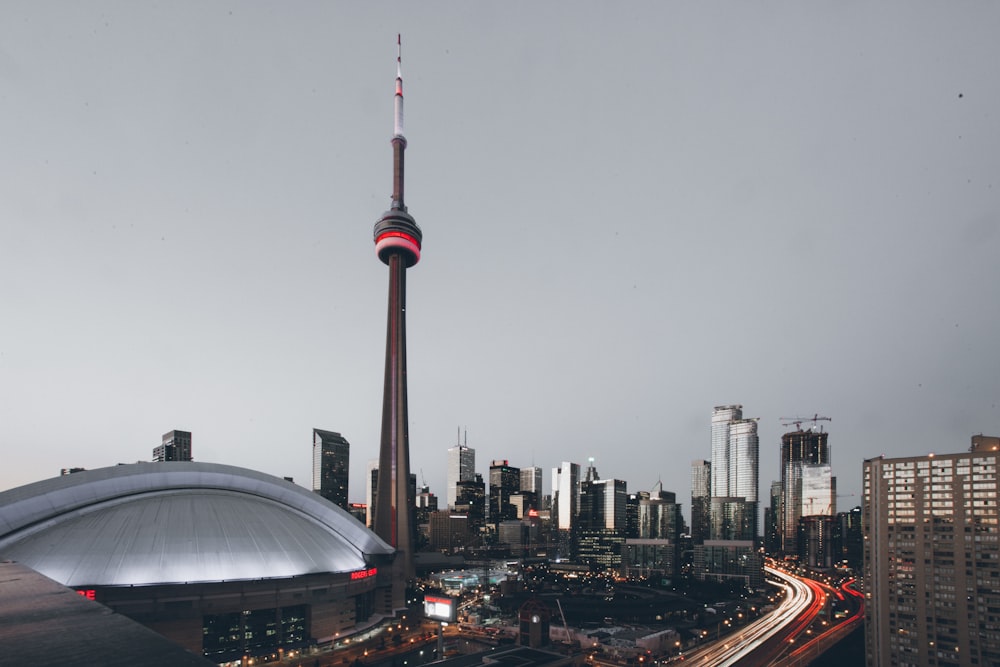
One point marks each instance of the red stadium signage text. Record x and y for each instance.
(364, 574)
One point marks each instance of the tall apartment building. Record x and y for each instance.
(723, 417)
(331, 466)
(808, 487)
(932, 558)
(772, 526)
(729, 550)
(659, 515)
(850, 538)
(735, 471)
(654, 526)
(461, 468)
(701, 495)
(176, 446)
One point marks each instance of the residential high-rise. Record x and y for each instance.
(729, 551)
(772, 529)
(807, 483)
(931, 551)
(849, 538)
(505, 481)
(701, 496)
(331, 465)
(819, 491)
(659, 515)
(744, 461)
(818, 541)
(565, 505)
(398, 241)
(176, 446)
(653, 534)
(735, 468)
(722, 419)
(461, 468)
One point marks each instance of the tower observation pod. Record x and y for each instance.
(397, 232)
(397, 244)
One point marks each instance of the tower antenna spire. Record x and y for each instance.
(398, 107)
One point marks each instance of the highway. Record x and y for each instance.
(809, 650)
(765, 637)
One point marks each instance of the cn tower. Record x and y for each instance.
(397, 244)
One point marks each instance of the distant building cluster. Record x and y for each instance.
(924, 539)
(598, 522)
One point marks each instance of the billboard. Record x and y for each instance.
(441, 608)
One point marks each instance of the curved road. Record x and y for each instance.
(765, 637)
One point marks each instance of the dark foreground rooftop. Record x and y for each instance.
(513, 656)
(43, 623)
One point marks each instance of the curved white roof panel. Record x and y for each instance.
(157, 523)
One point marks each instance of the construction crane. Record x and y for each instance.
(797, 421)
(565, 625)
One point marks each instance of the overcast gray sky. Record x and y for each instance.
(632, 212)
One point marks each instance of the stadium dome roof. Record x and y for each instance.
(159, 523)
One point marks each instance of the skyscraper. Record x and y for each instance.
(931, 578)
(176, 446)
(701, 496)
(735, 469)
(565, 505)
(505, 481)
(531, 480)
(602, 521)
(659, 515)
(461, 468)
(807, 485)
(744, 460)
(652, 540)
(730, 549)
(397, 243)
(531, 486)
(331, 465)
(471, 500)
(602, 503)
(722, 418)
(772, 530)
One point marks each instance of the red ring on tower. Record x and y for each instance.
(401, 240)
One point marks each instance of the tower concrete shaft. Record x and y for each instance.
(397, 244)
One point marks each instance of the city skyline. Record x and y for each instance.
(638, 214)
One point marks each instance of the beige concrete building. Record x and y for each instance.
(932, 559)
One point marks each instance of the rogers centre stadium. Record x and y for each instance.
(226, 562)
